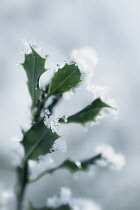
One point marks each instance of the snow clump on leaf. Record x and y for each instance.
(116, 161)
(52, 122)
(86, 59)
(59, 145)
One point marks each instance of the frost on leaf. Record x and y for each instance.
(66, 198)
(28, 43)
(59, 145)
(115, 160)
(52, 122)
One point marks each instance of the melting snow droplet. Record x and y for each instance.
(78, 164)
(65, 118)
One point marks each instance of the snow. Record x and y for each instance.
(27, 43)
(115, 111)
(35, 168)
(75, 203)
(115, 160)
(98, 91)
(52, 122)
(5, 197)
(17, 150)
(86, 59)
(45, 159)
(59, 145)
(78, 164)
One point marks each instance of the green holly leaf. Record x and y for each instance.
(87, 114)
(63, 207)
(34, 67)
(75, 166)
(38, 140)
(64, 79)
(72, 166)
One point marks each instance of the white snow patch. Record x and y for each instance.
(59, 145)
(98, 91)
(115, 111)
(16, 148)
(27, 43)
(5, 197)
(74, 203)
(86, 59)
(52, 122)
(115, 160)
(35, 168)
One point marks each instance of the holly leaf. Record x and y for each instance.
(75, 166)
(87, 114)
(64, 79)
(72, 166)
(63, 207)
(34, 67)
(38, 140)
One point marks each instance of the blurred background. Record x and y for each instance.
(112, 28)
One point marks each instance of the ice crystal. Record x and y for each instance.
(109, 156)
(52, 122)
(74, 203)
(59, 145)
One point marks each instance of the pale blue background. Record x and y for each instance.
(113, 29)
